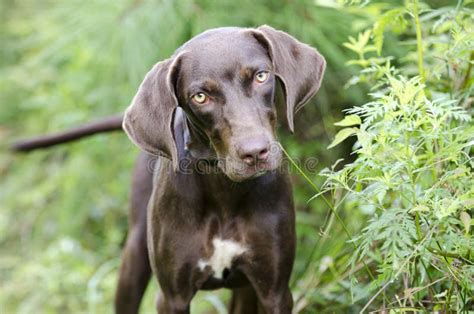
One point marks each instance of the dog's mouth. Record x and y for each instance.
(238, 171)
(257, 170)
(246, 175)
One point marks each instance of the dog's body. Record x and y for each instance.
(238, 237)
(216, 211)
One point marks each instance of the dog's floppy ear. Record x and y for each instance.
(299, 67)
(148, 121)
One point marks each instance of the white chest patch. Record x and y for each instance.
(224, 252)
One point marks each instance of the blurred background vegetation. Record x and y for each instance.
(63, 211)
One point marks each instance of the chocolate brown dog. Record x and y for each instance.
(217, 210)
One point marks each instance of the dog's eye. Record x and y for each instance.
(262, 76)
(200, 98)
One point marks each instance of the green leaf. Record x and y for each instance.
(419, 208)
(447, 207)
(342, 135)
(364, 139)
(390, 18)
(349, 121)
(466, 221)
(358, 45)
(468, 203)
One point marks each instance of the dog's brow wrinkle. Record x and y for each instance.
(224, 253)
(246, 73)
(206, 85)
(211, 85)
(229, 75)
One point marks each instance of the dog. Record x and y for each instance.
(216, 209)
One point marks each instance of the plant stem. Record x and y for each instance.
(448, 301)
(419, 41)
(344, 227)
(303, 174)
(418, 226)
(468, 71)
(401, 268)
(447, 254)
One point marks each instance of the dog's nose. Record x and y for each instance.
(254, 150)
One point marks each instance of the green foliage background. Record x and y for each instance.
(63, 211)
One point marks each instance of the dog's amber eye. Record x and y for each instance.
(200, 98)
(262, 76)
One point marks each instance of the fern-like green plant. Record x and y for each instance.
(413, 172)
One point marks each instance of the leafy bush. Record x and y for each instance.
(413, 171)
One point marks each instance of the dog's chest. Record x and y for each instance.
(222, 255)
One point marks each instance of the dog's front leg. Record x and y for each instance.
(274, 297)
(269, 262)
(269, 269)
(176, 278)
(177, 283)
(172, 305)
(170, 254)
(279, 302)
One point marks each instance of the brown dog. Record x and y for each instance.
(220, 210)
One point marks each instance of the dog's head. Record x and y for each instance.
(224, 80)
